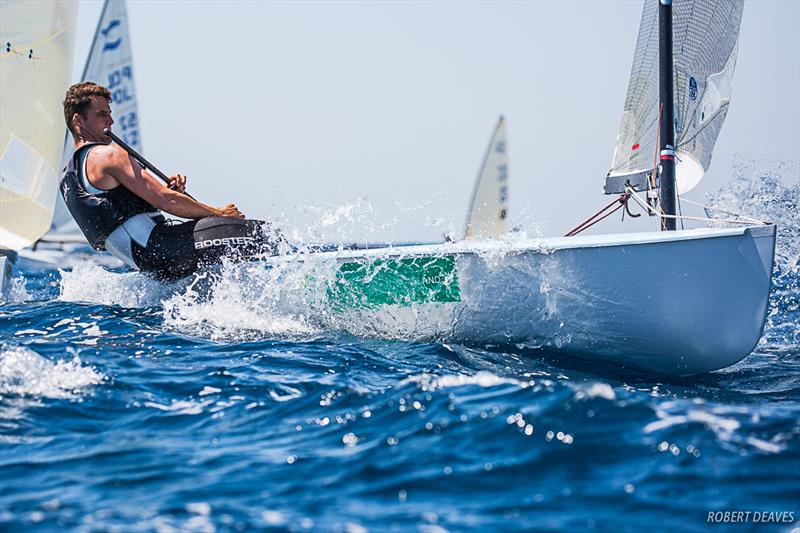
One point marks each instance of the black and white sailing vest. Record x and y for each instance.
(109, 219)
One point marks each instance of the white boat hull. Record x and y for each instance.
(682, 302)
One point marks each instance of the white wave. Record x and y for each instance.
(596, 390)
(23, 372)
(181, 407)
(429, 382)
(764, 446)
(722, 427)
(292, 394)
(727, 429)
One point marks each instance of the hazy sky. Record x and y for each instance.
(294, 109)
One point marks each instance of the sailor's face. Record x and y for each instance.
(98, 117)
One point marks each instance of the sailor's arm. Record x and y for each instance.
(140, 182)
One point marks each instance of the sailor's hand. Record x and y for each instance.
(230, 210)
(177, 183)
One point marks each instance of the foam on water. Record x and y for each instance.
(25, 373)
(485, 379)
(734, 427)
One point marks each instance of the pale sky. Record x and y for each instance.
(291, 110)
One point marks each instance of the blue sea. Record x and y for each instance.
(132, 405)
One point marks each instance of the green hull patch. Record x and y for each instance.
(408, 281)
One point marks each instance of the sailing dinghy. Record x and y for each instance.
(670, 301)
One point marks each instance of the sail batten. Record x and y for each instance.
(705, 36)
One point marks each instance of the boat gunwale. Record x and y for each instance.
(542, 245)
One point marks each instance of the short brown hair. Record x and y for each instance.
(79, 98)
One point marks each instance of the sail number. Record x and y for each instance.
(120, 83)
(130, 128)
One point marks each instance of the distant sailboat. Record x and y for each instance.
(488, 212)
(109, 63)
(37, 41)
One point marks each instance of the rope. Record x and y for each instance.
(592, 220)
(622, 200)
(37, 44)
(654, 175)
(739, 215)
(638, 200)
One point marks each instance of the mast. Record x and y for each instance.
(666, 191)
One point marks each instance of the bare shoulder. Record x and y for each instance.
(110, 155)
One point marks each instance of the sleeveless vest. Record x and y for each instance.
(97, 215)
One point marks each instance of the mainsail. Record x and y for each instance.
(489, 206)
(110, 64)
(35, 65)
(705, 37)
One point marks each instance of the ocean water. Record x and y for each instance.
(219, 405)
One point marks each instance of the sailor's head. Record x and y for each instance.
(87, 111)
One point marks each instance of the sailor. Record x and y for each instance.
(117, 203)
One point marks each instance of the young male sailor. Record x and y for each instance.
(117, 204)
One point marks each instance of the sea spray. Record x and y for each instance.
(88, 282)
(241, 300)
(25, 373)
(770, 191)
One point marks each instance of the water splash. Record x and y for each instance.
(242, 300)
(336, 223)
(25, 373)
(766, 191)
(297, 297)
(89, 282)
(17, 291)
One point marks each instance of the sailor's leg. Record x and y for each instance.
(176, 250)
(233, 236)
(170, 251)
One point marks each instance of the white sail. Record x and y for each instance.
(110, 64)
(487, 216)
(35, 64)
(705, 36)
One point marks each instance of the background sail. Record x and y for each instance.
(109, 63)
(705, 36)
(35, 64)
(488, 210)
